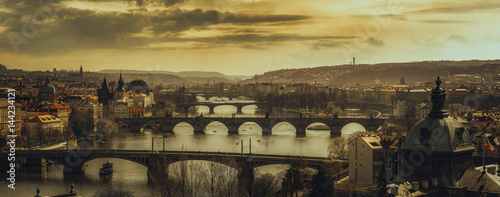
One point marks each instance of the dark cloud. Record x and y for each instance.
(326, 44)
(178, 20)
(139, 2)
(71, 29)
(169, 3)
(375, 42)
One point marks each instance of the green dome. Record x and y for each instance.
(47, 88)
(438, 134)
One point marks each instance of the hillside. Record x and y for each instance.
(383, 73)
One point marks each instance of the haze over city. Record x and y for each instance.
(242, 36)
(251, 98)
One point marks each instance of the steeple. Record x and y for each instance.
(438, 97)
(81, 70)
(104, 85)
(120, 82)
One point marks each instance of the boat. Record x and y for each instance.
(107, 168)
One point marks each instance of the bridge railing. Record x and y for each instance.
(116, 151)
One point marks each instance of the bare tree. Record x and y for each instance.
(338, 148)
(230, 187)
(215, 177)
(265, 185)
(159, 177)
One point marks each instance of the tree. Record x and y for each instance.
(293, 180)
(107, 126)
(332, 109)
(113, 193)
(215, 178)
(159, 178)
(265, 185)
(338, 148)
(323, 182)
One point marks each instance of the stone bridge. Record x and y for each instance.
(239, 106)
(208, 95)
(233, 124)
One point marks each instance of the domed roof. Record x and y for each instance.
(139, 86)
(47, 88)
(438, 134)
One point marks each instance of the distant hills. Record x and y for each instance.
(191, 76)
(384, 73)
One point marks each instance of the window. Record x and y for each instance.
(425, 135)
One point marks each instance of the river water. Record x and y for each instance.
(133, 177)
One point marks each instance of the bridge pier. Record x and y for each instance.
(239, 109)
(199, 130)
(266, 131)
(232, 129)
(335, 131)
(211, 109)
(300, 131)
(245, 175)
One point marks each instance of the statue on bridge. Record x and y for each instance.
(267, 114)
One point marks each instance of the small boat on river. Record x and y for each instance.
(107, 169)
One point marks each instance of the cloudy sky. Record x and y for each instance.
(242, 36)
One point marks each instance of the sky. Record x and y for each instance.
(242, 37)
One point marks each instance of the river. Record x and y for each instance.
(133, 177)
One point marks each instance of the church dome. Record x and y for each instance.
(47, 88)
(438, 132)
(139, 86)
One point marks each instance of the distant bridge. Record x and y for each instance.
(208, 95)
(233, 124)
(211, 105)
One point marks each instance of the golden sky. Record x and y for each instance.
(243, 37)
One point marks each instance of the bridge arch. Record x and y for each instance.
(123, 125)
(211, 128)
(318, 128)
(250, 128)
(286, 127)
(150, 124)
(351, 128)
(234, 108)
(183, 128)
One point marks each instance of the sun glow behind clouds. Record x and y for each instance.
(98, 6)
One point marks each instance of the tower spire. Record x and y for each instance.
(104, 84)
(438, 97)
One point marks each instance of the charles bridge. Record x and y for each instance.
(233, 124)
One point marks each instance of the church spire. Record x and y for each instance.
(120, 82)
(104, 85)
(438, 97)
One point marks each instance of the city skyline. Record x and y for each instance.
(241, 37)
